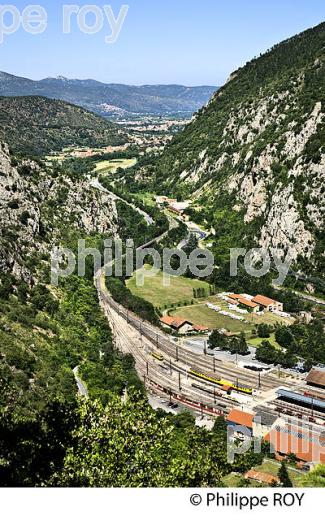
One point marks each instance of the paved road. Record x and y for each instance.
(82, 389)
(96, 184)
(310, 298)
(193, 229)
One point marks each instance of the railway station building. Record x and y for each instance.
(316, 377)
(237, 418)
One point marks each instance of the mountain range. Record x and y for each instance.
(112, 99)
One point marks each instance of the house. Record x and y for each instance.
(164, 200)
(237, 418)
(262, 477)
(181, 206)
(305, 317)
(248, 304)
(235, 296)
(243, 300)
(180, 325)
(316, 377)
(200, 328)
(267, 303)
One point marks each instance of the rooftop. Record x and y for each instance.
(174, 322)
(263, 300)
(242, 418)
(306, 445)
(316, 377)
(265, 418)
(200, 328)
(247, 303)
(301, 399)
(260, 476)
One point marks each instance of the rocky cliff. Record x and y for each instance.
(253, 160)
(40, 208)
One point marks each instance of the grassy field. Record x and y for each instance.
(202, 315)
(257, 341)
(179, 300)
(153, 290)
(103, 167)
(234, 480)
(272, 467)
(268, 466)
(146, 198)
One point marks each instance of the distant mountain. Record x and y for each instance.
(37, 125)
(111, 99)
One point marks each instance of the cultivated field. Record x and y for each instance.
(112, 166)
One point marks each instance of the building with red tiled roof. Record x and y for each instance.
(231, 301)
(182, 326)
(316, 377)
(307, 445)
(248, 303)
(268, 303)
(200, 328)
(239, 418)
(262, 477)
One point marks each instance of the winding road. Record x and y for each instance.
(97, 185)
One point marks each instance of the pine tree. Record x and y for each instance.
(284, 475)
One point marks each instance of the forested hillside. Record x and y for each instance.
(37, 125)
(253, 160)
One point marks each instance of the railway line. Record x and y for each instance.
(155, 375)
(181, 354)
(172, 375)
(294, 412)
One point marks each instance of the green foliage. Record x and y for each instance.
(43, 338)
(31, 450)
(121, 294)
(35, 126)
(217, 340)
(305, 341)
(284, 476)
(235, 344)
(315, 478)
(264, 330)
(127, 444)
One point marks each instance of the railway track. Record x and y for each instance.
(183, 355)
(155, 374)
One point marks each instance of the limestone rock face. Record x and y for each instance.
(36, 209)
(254, 157)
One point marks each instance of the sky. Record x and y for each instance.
(189, 42)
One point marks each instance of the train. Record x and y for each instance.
(157, 356)
(226, 385)
(204, 408)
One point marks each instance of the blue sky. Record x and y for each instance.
(192, 42)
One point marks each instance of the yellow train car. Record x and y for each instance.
(157, 356)
(221, 382)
